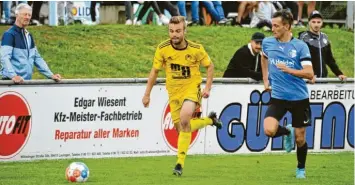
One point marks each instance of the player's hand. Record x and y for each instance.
(57, 77)
(17, 79)
(342, 77)
(206, 93)
(282, 67)
(146, 100)
(267, 85)
(313, 79)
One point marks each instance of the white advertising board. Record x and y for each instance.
(242, 110)
(81, 11)
(109, 120)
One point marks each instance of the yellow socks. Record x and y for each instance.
(183, 145)
(184, 139)
(198, 123)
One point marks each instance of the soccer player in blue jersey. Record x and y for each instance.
(286, 61)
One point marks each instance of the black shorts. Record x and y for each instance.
(300, 111)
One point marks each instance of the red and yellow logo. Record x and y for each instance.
(15, 124)
(169, 132)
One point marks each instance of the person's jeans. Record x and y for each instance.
(7, 9)
(215, 9)
(194, 10)
(61, 12)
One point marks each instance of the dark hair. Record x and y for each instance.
(286, 16)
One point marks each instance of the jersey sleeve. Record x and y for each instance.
(264, 49)
(305, 55)
(158, 59)
(203, 57)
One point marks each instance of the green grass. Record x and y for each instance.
(119, 51)
(322, 169)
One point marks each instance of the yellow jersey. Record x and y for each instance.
(182, 66)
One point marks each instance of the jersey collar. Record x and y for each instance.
(285, 42)
(313, 35)
(187, 44)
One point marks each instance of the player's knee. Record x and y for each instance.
(269, 130)
(270, 126)
(300, 141)
(184, 124)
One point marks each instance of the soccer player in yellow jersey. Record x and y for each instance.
(181, 60)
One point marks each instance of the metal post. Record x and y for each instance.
(350, 15)
(53, 16)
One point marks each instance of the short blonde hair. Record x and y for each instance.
(178, 20)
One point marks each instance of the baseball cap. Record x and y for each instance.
(258, 37)
(315, 14)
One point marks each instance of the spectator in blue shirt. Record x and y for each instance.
(19, 52)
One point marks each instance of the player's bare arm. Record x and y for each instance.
(265, 71)
(306, 72)
(151, 81)
(209, 80)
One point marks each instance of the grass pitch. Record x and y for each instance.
(120, 51)
(322, 169)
